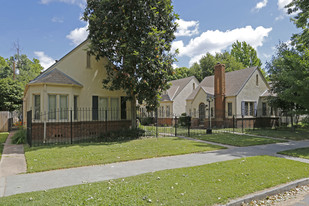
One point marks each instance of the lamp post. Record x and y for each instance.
(209, 99)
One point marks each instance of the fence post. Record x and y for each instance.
(233, 123)
(156, 122)
(29, 128)
(242, 123)
(175, 126)
(106, 121)
(189, 125)
(71, 119)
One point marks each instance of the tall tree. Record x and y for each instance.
(289, 73)
(135, 36)
(10, 95)
(245, 54)
(301, 9)
(179, 73)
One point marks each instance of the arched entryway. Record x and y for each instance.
(202, 112)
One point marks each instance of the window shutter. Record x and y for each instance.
(243, 108)
(95, 107)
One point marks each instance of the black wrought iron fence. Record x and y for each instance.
(67, 126)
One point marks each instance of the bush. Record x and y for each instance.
(147, 121)
(122, 135)
(20, 137)
(184, 120)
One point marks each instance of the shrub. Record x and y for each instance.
(184, 120)
(147, 120)
(20, 137)
(122, 135)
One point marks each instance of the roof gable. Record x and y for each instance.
(177, 86)
(55, 76)
(234, 81)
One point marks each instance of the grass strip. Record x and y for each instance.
(236, 139)
(68, 156)
(283, 133)
(210, 184)
(3, 137)
(300, 152)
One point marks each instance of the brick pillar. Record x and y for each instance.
(219, 92)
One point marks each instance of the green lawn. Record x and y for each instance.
(235, 139)
(300, 152)
(210, 184)
(67, 156)
(3, 136)
(284, 133)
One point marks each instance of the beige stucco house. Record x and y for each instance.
(238, 94)
(74, 83)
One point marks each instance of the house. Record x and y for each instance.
(72, 90)
(173, 100)
(224, 96)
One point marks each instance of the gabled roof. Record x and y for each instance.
(176, 87)
(234, 81)
(207, 90)
(55, 76)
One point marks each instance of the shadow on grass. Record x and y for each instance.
(283, 133)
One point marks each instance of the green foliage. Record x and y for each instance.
(122, 135)
(135, 36)
(3, 136)
(210, 184)
(245, 54)
(301, 10)
(289, 73)
(11, 93)
(147, 121)
(179, 73)
(20, 137)
(184, 120)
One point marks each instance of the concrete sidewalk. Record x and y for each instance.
(67, 177)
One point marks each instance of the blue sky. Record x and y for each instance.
(48, 29)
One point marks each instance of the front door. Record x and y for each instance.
(201, 112)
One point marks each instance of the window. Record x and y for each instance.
(115, 108)
(123, 108)
(88, 59)
(194, 112)
(264, 109)
(75, 108)
(257, 80)
(167, 111)
(52, 105)
(162, 108)
(37, 106)
(248, 108)
(190, 113)
(63, 107)
(193, 86)
(212, 112)
(229, 109)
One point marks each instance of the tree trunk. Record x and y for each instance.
(292, 123)
(133, 112)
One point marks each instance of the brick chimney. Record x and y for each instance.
(219, 92)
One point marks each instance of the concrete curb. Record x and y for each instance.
(2, 186)
(268, 192)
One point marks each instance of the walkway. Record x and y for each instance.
(13, 163)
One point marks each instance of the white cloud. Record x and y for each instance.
(261, 4)
(80, 3)
(187, 28)
(57, 20)
(217, 41)
(174, 66)
(282, 3)
(45, 60)
(78, 35)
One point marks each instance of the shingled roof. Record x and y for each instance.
(176, 87)
(55, 76)
(234, 81)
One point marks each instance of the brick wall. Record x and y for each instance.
(61, 132)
